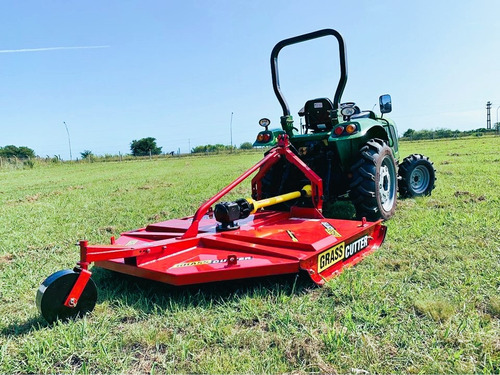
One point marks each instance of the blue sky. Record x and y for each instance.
(175, 70)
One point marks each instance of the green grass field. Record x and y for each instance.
(426, 302)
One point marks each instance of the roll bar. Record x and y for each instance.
(302, 38)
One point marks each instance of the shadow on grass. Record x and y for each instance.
(148, 296)
(19, 329)
(341, 209)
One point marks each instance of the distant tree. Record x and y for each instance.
(408, 133)
(246, 146)
(86, 154)
(144, 146)
(22, 152)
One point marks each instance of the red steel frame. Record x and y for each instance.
(189, 250)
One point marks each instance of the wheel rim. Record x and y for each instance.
(419, 179)
(387, 184)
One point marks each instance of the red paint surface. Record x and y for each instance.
(159, 252)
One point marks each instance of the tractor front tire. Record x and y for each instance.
(417, 176)
(373, 186)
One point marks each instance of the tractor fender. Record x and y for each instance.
(367, 129)
(348, 146)
(376, 132)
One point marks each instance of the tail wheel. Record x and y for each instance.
(53, 292)
(374, 181)
(417, 176)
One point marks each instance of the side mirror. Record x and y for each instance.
(385, 103)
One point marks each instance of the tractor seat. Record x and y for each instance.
(317, 115)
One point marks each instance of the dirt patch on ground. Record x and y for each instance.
(471, 198)
(163, 215)
(107, 229)
(5, 259)
(32, 198)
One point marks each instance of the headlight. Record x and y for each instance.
(264, 122)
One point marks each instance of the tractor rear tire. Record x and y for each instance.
(373, 187)
(417, 176)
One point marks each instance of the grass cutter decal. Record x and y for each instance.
(292, 236)
(340, 252)
(331, 256)
(207, 261)
(330, 229)
(356, 246)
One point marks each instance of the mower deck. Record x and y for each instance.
(267, 243)
(237, 240)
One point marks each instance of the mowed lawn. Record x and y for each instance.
(426, 302)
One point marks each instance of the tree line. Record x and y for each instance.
(219, 147)
(147, 146)
(141, 147)
(416, 135)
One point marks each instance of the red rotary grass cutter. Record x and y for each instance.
(242, 239)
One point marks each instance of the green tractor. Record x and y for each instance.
(355, 152)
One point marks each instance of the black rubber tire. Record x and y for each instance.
(373, 186)
(417, 176)
(53, 292)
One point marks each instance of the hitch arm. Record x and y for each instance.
(193, 228)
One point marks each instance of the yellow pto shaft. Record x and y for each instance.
(305, 192)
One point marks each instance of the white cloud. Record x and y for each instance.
(48, 49)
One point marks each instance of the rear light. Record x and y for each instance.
(339, 130)
(263, 137)
(351, 128)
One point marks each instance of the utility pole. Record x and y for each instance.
(69, 141)
(488, 116)
(231, 130)
(497, 124)
(189, 143)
